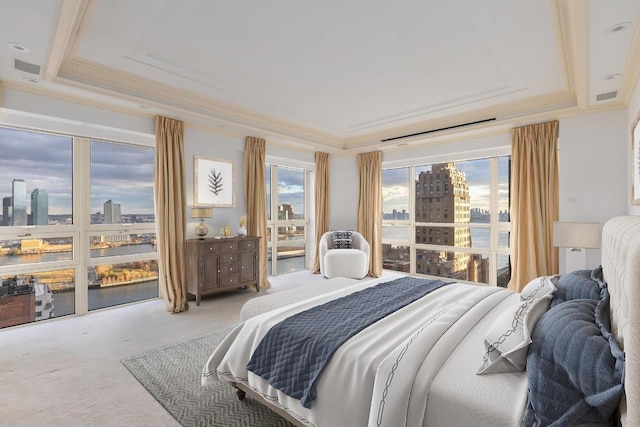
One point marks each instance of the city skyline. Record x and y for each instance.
(118, 171)
(396, 191)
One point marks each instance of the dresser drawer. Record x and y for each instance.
(227, 258)
(247, 244)
(229, 268)
(227, 280)
(208, 248)
(230, 245)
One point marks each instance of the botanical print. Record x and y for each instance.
(214, 182)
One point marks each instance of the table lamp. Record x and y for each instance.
(576, 237)
(202, 213)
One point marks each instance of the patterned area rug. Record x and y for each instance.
(172, 375)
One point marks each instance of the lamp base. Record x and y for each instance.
(575, 259)
(201, 229)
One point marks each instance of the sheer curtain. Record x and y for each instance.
(169, 187)
(256, 197)
(321, 202)
(534, 202)
(370, 207)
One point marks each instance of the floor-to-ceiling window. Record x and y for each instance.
(78, 226)
(449, 219)
(287, 218)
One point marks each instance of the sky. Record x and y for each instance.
(290, 188)
(119, 172)
(395, 191)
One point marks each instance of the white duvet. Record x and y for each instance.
(416, 367)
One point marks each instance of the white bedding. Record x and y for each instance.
(433, 347)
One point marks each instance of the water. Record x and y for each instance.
(67, 256)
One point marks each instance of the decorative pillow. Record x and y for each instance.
(575, 367)
(539, 287)
(342, 240)
(507, 340)
(580, 284)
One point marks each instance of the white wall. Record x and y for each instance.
(343, 192)
(593, 170)
(633, 113)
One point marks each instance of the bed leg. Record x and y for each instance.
(241, 394)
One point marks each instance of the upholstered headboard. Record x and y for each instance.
(621, 270)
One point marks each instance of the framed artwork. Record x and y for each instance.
(635, 166)
(214, 182)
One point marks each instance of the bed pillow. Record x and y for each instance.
(507, 340)
(571, 342)
(580, 284)
(539, 287)
(342, 239)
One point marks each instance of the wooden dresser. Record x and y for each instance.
(219, 265)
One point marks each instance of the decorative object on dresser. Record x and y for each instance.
(214, 182)
(202, 213)
(220, 265)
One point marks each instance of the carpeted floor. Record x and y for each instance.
(172, 375)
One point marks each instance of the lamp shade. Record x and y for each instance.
(201, 212)
(576, 234)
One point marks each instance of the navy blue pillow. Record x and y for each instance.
(575, 367)
(580, 284)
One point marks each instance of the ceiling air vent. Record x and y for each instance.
(26, 67)
(437, 130)
(605, 96)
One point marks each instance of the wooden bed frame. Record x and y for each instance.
(621, 269)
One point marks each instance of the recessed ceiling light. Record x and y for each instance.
(611, 76)
(18, 47)
(619, 27)
(31, 80)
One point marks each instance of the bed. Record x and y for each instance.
(418, 366)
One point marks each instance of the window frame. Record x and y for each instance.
(495, 225)
(81, 228)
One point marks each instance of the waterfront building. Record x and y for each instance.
(7, 210)
(108, 212)
(117, 214)
(19, 189)
(442, 196)
(39, 207)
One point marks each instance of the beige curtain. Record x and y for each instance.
(370, 207)
(170, 204)
(256, 197)
(534, 202)
(321, 202)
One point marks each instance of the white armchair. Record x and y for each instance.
(352, 263)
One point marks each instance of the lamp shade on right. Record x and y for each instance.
(576, 235)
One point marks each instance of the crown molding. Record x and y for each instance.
(631, 73)
(95, 77)
(71, 22)
(573, 21)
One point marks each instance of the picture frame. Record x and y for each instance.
(635, 165)
(214, 182)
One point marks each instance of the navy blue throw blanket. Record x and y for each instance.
(294, 352)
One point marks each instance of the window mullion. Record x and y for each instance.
(81, 208)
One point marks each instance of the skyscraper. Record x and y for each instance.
(117, 214)
(39, 207)
(108, 212)
(442, 196)
(19, 202)
(7, 210)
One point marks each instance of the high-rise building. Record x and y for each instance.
(19, 216)
(285, 211)
(108, 212)
(442, 196)
(117, 214)
(7, 210)
(39, 207)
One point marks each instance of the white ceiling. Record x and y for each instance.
(332, 74)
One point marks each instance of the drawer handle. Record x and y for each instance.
(210, 248)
